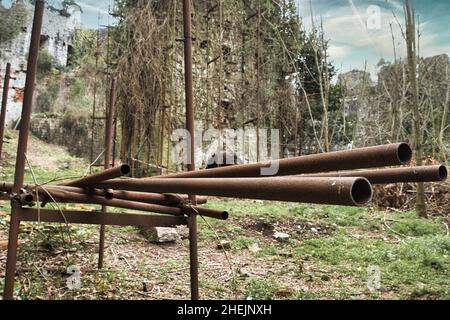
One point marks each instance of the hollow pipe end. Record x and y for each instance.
(29, 198)
(361, 192)
(442, 172)
(109, 194)
(404, 152)
(125, 169)
(224, 215)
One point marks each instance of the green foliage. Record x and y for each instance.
(77, 88)
(75, 118)
(241, 242)
(47, 96)
(262, 289)
(12, 21)
(85, 49)
(45, 63)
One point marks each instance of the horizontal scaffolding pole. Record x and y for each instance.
(173, 204)
(72, 197)
(105, 218)
(156, 198)
(338, 191)
(393, 175)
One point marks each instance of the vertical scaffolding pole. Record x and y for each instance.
(22, 148)
(97, 52)
(109, 128)
(192, 221)
(4, 104)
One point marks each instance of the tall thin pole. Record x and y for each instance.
(192, 222)
(4, 104)
(22, 148)
(109, 128)
(97, 52)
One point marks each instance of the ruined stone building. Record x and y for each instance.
(57, 38)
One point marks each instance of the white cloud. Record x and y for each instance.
(339, 52)
(346, 28)
(99, 9)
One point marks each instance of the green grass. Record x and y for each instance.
(414, 258)
(262, 289)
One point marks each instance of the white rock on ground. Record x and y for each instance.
(281, 236)
(162, 234)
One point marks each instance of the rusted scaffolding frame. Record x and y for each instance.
(19, 213)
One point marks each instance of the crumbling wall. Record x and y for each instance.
(57, 38)
(75, 134)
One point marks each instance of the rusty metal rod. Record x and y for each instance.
(393, 175)
(156, 198)
(94, 178)
(190, 117)
(4, 105)
(338, 191)
(145, 197)
(370, 157)
(82, 217)
(73, 197)
(22, 147)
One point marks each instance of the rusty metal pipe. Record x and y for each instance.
(145, 197)
(92, 179)
(156, 198)
(73, 197)
(393, 175)
(4, 105)
(19, 173)
(95, 217)
(189, 100)
(370, 157)
(338, 191)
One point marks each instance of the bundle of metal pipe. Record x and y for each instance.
(144, 197)
(60, 195)
(340, 188)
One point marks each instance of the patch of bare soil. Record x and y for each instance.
(291, 226)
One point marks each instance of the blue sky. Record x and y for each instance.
(345, 24)
(352, 42)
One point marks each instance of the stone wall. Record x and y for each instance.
(73, 134)
(57, 38)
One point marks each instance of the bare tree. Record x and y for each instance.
(412, 66)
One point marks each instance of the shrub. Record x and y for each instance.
(45, 64)
(12, 21)
(47, 97)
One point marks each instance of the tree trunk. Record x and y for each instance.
(416, 138)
